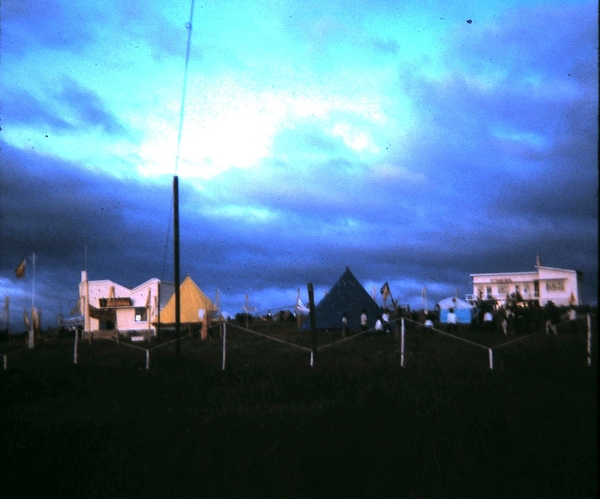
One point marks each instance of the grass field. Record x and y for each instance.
(354, 425)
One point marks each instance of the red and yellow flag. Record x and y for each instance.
(20, 270)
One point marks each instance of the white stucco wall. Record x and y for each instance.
(94, 291)
(557, 285)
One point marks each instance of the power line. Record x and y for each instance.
(183, 94)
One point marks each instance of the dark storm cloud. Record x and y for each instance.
(70, 108)
(21, 108)
(88, 109)
(52, 208)
(50, 25)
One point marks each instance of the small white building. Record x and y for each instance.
(544, 284)
(106, 305)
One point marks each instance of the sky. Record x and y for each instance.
(415, 142)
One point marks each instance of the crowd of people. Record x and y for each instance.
(511, 319)
(525, 318)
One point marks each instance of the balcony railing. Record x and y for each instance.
(471, 298)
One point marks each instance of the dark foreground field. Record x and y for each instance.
(355, 425)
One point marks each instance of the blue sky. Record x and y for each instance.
(395, 138)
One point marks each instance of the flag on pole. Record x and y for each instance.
(26, 319)
(20, 270)
(75, 309)
(385, 291)
(300, 307)
(35, 319)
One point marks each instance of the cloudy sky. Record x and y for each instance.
(414, 142)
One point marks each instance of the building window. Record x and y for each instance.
(141, 314)
(502, 289)
(555, 286)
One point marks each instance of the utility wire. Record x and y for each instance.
(181, 118)
(183, 94)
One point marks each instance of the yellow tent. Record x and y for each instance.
(192, 301)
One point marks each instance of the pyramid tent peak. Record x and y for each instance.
(192, 300)
(346, 295)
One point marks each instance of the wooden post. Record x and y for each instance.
(589, 340)
(224, 334)
(6, 315)
(75, 348)
(86, 307)
(176, 265)
(402, 329)
(297, 310)
(148, 310)
(31, 328)
(31, 332)
(5, 362)
(313, 327)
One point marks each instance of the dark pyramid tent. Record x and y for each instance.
(346, 295)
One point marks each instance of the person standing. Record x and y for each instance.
(452, 321)
(385, 318)
(488, 321)
(552, 318)
(363, 321)
(378, 326)
(501, 323)
(573, 318)
(345, 330)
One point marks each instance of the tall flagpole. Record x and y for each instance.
(33, 284)
(33, 314)
(176, 264)
(176, 188)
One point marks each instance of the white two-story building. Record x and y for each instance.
(542, 285)
(106, 305)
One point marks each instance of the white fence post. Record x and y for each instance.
(224, 343)
(147, 360)
(589, 340)
(311, 359)
(402, 344)
(491, 356)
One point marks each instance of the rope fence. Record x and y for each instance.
(401, 328)
(547, 331)
(290, 344)
(27, 348)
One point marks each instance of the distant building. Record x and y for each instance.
(542, 285)
(106, 305)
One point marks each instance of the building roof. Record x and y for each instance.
(453, 302)
(527, 272)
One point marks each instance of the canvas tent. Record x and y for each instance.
(464, 311)
(192, 302)
(346, 295)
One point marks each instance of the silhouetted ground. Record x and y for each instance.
(355, 425)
